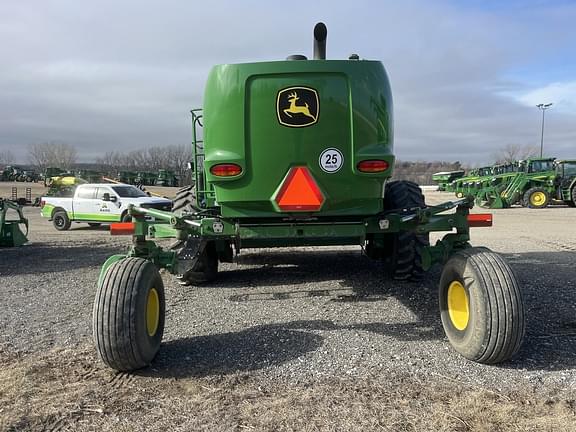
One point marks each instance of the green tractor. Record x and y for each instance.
(127, 177)
(300, 153)
(445, 179)
(469, 184)
(90, 176)
(145, 178)
(532, 185)
(166, 178)
(565, 181)
(51, 172)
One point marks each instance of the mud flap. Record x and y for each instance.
(188, 255)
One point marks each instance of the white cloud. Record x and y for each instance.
(561, 94)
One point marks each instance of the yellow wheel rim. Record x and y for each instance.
(459, 195)
(458, 305)
(537, 198)
(152, 312)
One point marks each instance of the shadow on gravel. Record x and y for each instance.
(251, 349)
(547, 280)
(37, 258)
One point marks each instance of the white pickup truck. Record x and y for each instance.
(98, 203)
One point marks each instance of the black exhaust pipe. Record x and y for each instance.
(320, 33)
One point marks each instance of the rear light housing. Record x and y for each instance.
(226, 170)
(372, 166)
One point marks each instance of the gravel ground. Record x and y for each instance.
(302, 317)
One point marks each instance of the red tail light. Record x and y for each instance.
(480, 220)
(226, 170)
(372, 166)
(122, 228)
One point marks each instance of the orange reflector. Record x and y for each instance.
(122, 228)
(372, 166)
(226, 170)
(299, 192)
(480, 220)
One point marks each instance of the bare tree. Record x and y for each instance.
(6, 158)
(52, 154)
(513, 152)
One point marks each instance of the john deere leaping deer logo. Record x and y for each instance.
(297, 106)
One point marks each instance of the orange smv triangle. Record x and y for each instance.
(299, 192)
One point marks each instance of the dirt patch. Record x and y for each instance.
(68, 389)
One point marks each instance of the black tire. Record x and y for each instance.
(403, 258)
(205, 270)
(60, 220)
(128, 314)
(126, 217)
(94, 224)
(185, 201)
(481, 306)
(536, 198)
(573, 195)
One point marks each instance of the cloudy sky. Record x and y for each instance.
(122, 75)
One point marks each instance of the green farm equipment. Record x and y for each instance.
(127, 177)
(565, 181)
(144, 178)
(300, 153)
(10, 232)
(444, 179)
(166, 178)
(90, 176)
(532, 185)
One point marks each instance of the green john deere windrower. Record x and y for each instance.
(300, 153)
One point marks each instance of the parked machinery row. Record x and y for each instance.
(533, 183)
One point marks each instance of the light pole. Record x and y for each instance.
(543, 108)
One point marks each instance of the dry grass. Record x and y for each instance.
(70, 390)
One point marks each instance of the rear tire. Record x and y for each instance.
(404, 259)
(481, 306)
(185, 201)
(536, 198)
(61, 221)
(128, 314)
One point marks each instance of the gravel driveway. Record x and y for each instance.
(293, 318)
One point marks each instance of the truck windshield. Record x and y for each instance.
(128, 192)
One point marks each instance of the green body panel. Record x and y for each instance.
(94, 217)
(241, 125)
(47, 211)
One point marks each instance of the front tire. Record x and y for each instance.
(60, 220)
(481, 306)
(128, 314)
(536, 198)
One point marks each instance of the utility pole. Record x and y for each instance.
(543, 108)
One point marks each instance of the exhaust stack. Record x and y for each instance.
(320, 33)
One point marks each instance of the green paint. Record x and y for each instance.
(111, 260)
(103, 217)
(241, 126)
(47, 210)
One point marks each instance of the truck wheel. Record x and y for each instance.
(128, 314)
(481, 306)
(185, 201)
(126, 217)
(205, 270)
(60, 220)
(536, 197)
(403, 258)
